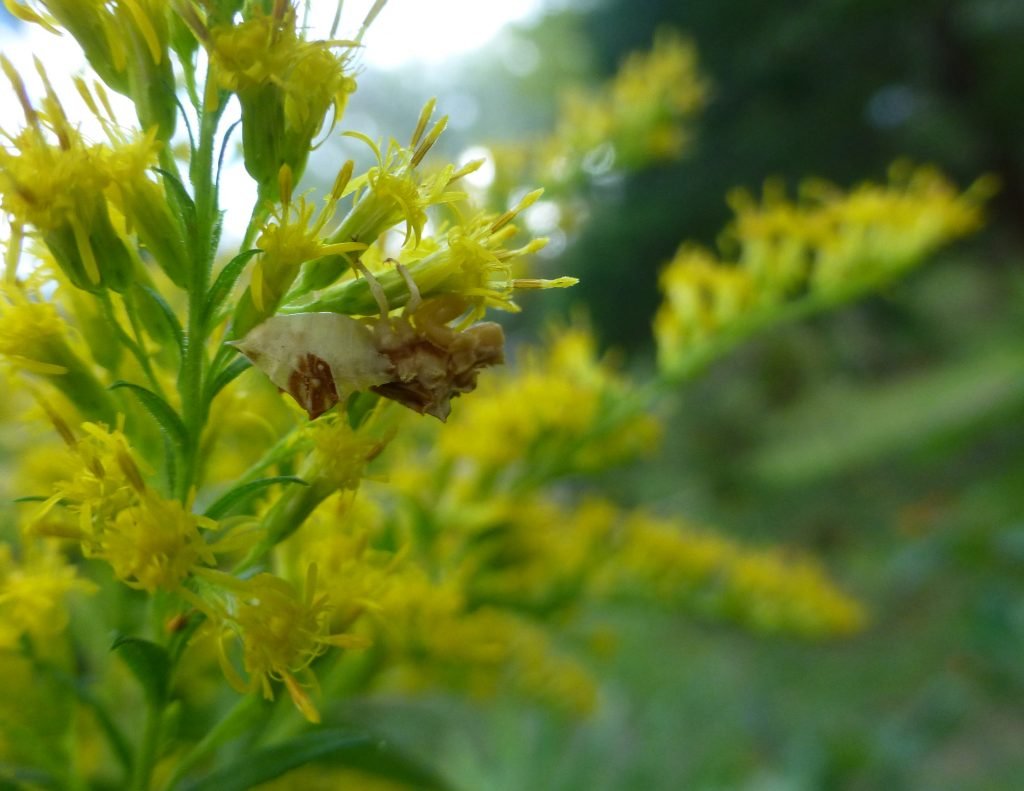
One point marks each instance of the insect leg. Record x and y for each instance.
(415, 300)
(375, 288)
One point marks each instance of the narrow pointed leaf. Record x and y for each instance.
(161, 411)
(149, 663)
(225, 281)
(154, 299)
(224, 504)
(228, 375)
(179, 197)
(333, 747)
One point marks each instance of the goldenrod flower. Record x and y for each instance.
(761, 588)
(32, 595)
(291, 236)
(638, 117)
(431, 635)
(33, 336)
(106, 480)
(53, 180)
(470, 260)
(340, 454)
(563, 410)
(281, 632)
(154, 543)
(824, 248)
(393, 191)
(150, 542)
(125, 42)
(704, 296)
(285, 84)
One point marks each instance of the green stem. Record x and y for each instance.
(278, 452)
(241, 717)
(260, 210)
(146, 757)
(285, 517)
(193, 364)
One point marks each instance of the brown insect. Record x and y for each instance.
(416, 358)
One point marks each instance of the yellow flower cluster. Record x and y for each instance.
(563, 411)
(535, 556)
(285, 84)
(302, 253)
(340, 453)
(429, 632)
(432, 637)
(452, 568)
(82, 198)
(281, 631)
(469, 259)
(449, 552)
(636, 119)
(33, 336)
(150, 542)
(32, 594)
(762, 589)
(126, 43)
(289, 238)
(794, 257)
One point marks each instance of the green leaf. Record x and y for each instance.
(170, 463)
(161, 411)
(385, 761)
(179, 196)
(228, 375)
(360, 405)
(223, 505)
(31, 498)
(225, 281)
(149, 663)
(185, 208)
(880, 421)
(336, 747)
(166, 313)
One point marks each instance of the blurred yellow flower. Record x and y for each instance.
(797, 256)
(32, 594)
